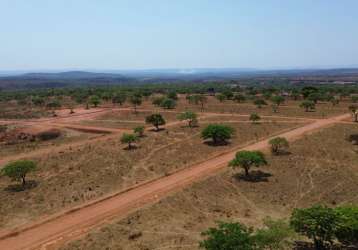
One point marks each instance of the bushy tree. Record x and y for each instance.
(18, 170)
(38, 101)
(318, 223)
(156, 120)
(347, 229)
(228, 236)
(172, 95)
(189, 116)
(260, 102)
(53, 104)
(129, 139)
(254, 118)
(119, 97)
(278, 144)
(354, 110)
(198, 100)
(168, 103)
(308, 105)
(94, 100)
(221, 97)
(247, 159)
(275, 235)
(306, 91)
(139, 131)
(228, 94)
(277, 100)
(157, 101)
(217, 132)
(239, 98)
(136, 100)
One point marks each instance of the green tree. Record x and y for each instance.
(260, 102)
(318, 223)
(156, 120)
(354, 111)
(189, 116)
(38, 101)
(228, 94)
(308, 105)
(198, 100)
(314, 97)
(354, 98)
(157, 101)
(136, 100)
(168, 103)
(53, 104)
(228, 236)
(94, 100)
(18, 170)
(254, 118)
(247, 159)
(129, 139)
(119, 97)
(218, 133)
(306, 91)
(347, 229)
(139, 131)
(275, 235)
(172, 95)
(278, 145)
(277, 100)
(239, 98)
(221, 97)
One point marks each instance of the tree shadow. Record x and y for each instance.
(216, 144)
(156, 130)
(133, 147)
(282, 153)
(19, 187)
(303, 245)
(254, 176)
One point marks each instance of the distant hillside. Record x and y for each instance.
(70, 75)
(86, 78)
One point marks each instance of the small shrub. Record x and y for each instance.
(139, 131)
(278, 145)
(129, 139)
(228, 236)
(254, 118)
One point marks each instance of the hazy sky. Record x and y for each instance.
(128, 34)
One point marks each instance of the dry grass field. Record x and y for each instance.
(80, 174)
(321, 168)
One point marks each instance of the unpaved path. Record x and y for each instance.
(63, 227)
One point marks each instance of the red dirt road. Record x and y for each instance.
(59, 229)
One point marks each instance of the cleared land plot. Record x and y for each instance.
(11, 110)
(80, 174)
(320, 169)
(67, 136)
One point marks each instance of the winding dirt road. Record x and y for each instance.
(56, 230)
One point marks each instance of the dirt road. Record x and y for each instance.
(54, 231)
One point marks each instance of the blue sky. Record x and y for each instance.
(131, 34)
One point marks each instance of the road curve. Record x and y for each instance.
(70, 224)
